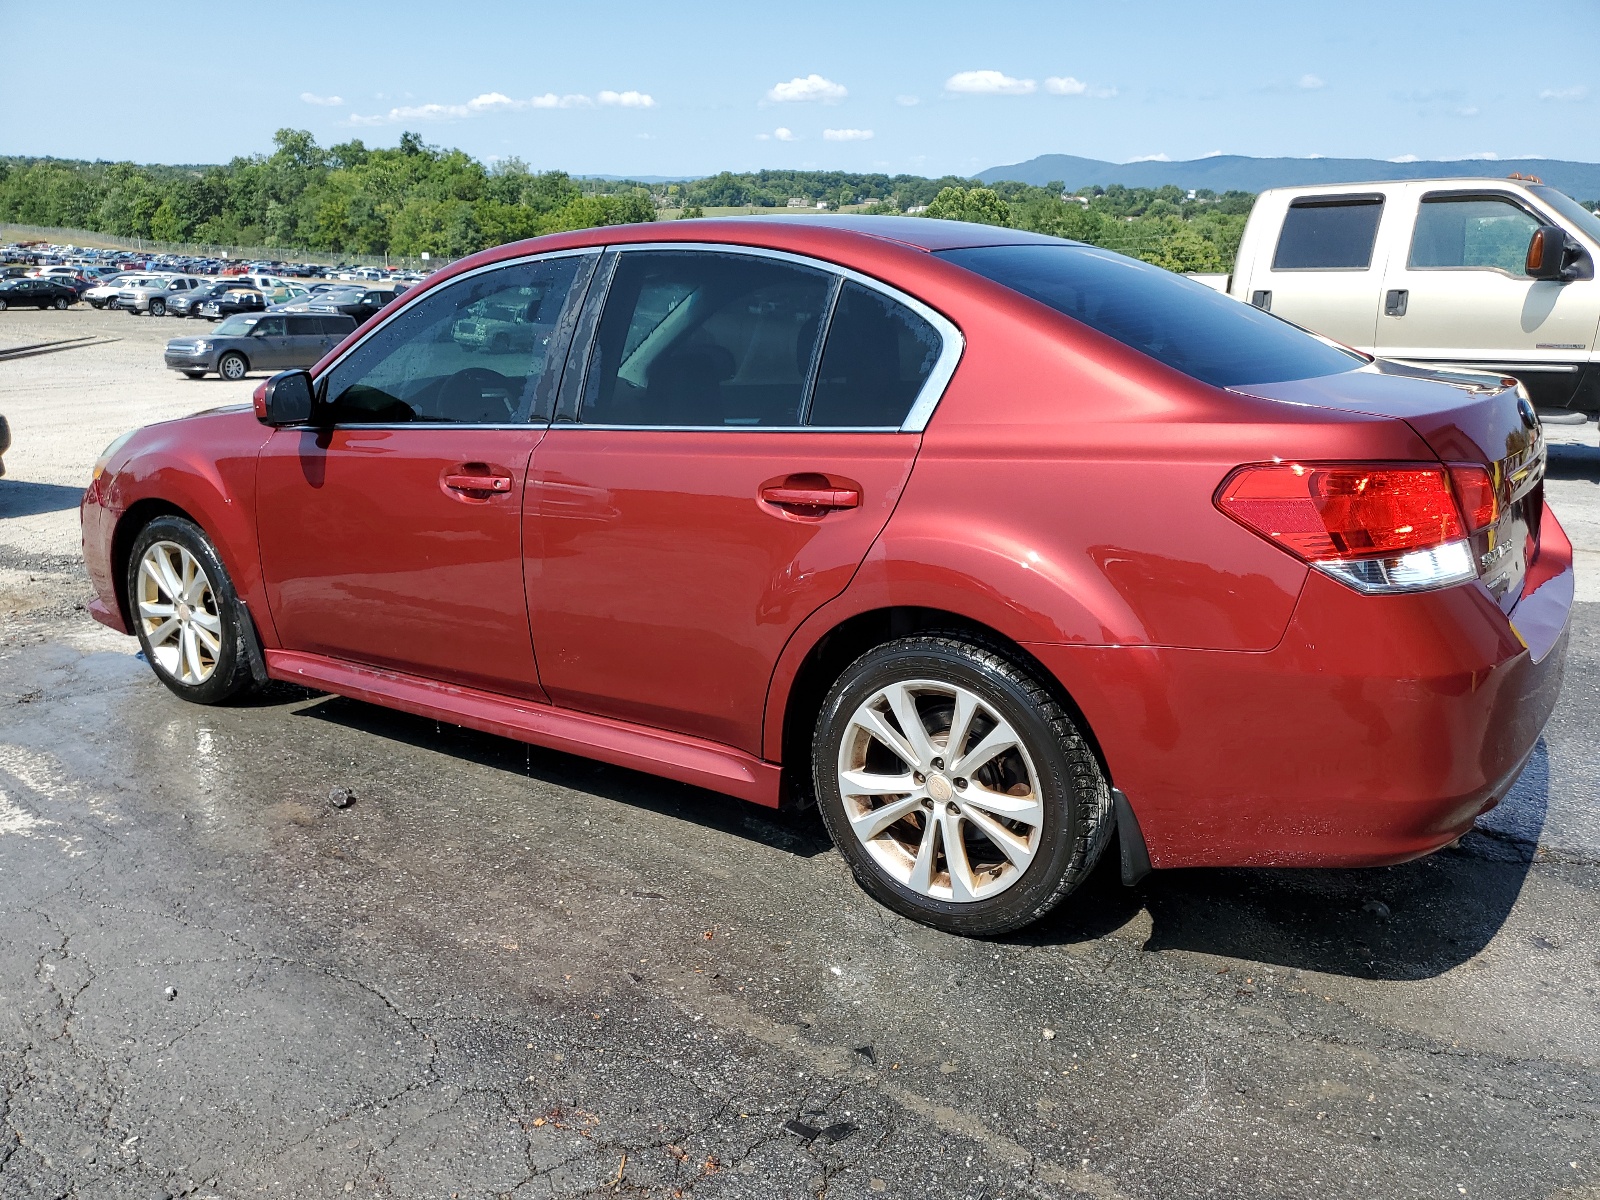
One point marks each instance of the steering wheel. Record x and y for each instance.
(469, 396)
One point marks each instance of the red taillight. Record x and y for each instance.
(1480, 502)
(1332, 511)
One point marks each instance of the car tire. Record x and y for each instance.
(158, 308)
(1031, 820)
(186, 614)
(232, 366)
(2, 305)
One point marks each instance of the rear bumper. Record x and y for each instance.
(1375, 732)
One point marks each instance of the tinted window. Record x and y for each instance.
(440, 360)
(1176, 321)
(704, 339)
(269, 327)
(877, 357)
(335, 326)
(1468, 231)
(1338, 234)
(304, 327)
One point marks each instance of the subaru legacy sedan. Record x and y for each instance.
(999, 549)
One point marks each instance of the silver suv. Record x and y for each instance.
(248, 342)
(151, 295)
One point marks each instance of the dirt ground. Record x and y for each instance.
(508, 972)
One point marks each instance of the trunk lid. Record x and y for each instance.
(1465, 417)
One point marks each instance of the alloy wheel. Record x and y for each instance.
(940, 789)
(178, 613)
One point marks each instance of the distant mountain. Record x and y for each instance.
(1237, 172)
(641, 178)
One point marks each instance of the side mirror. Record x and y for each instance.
(285, 399)
(1547, 253)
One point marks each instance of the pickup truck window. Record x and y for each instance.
(1331, 234)
(1206, 335)
(1472, 232)
(1569, 208)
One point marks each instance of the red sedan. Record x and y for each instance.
(996, 547)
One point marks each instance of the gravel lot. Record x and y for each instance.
(504, 971)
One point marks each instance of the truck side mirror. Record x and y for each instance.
(285, 399)
(1547, 253)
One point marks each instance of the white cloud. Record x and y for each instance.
(847, 135)
(784, 135)
(1065, 85)
(1405, 158)
(1150, 158)
(325, 101)
(1491, 156)
(1310, 82)
(628, 99)
(1470, 110)
(808, 87)
(490, 102)
(988, 83)
(1572, 93)
(907, 101)
(1213, 154)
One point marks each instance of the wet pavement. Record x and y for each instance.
(501, 971)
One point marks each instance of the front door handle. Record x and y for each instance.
(810, 498)
(476, 483)
(1394, 302)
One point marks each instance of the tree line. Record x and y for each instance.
(354, 199)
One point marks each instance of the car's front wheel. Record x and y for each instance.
(232, 366)
(186, 613)
(62, 302)
(956, 786)
(158, 308)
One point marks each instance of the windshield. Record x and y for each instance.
(1205, 334)
(238, 325)
(1586, 221)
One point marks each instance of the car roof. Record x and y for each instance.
(922, 232)
(1464, 182)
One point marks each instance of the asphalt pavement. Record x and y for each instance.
(500, 971)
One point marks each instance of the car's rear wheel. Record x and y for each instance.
(955, 785)
(2, 304)
(186, 613)
(158, 308)
(232, 366)
(62, 302)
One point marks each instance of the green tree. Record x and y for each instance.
(979, 204)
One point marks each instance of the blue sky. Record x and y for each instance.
(618, 87)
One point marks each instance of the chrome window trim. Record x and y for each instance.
(933, 388)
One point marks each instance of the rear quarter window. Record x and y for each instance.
(1176, 321)
(1332, 234)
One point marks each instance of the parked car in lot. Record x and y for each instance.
(105, 293)
(187, 304)
(38, 293)
(1002, 549)
(1487, 274)
(357, 302)
(236, 299)
(151, 296)
(256, 342)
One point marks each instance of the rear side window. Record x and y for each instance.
(877, 357)
(304, 326)
(336, 326)
(1471, 232)
(1328, 234)
(1176, 321)
(705, 339)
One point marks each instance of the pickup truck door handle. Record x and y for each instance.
(1394, 302)
(794, 495)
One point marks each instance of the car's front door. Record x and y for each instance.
(269, 345)
(707, 485)
(1462, 294)
(391, 530)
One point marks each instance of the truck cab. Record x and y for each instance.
(1487, 274)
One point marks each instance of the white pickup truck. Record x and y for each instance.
(1493, 274)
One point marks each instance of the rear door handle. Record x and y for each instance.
(786, 496)
(1394, 302)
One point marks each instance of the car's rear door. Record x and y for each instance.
(701, 492)
(391, 531)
